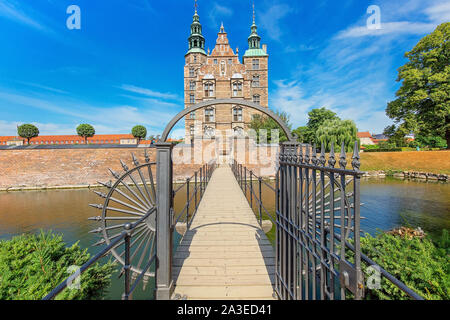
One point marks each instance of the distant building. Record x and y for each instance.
(365, 138)
(125, 139)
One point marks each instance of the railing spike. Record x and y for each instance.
(99, 243)
(98, 230)
(100, 194)
(342, 160)
(322, 155)
(356, 163)
(106, 184)
(115, 175)
(331, 158)
(135, 160)
(307, 154)
(314, 155)
(124, 166)
(300, 156)
(96, 206)
(147, 157)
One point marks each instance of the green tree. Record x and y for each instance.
(32, 265)
(139, 132)
(423, 100)
(316, 118)
(28, 131)
(301, 133)
(337, 131)
(267, 123)
(85, 131)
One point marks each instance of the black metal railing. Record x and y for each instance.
(316, 246)
(125, 237)
(195, 187)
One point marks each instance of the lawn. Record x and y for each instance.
(424, 161)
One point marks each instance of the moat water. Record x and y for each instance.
(387, 203)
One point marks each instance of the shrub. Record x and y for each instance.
(32, 265)
(419, 263)
(139, 132)
(384, 150)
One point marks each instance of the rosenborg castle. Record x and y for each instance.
(220, 74)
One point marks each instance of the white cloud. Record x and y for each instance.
(397, 28)
(149, 92)
(439, 13)
(10, 10)
(271, 19)
(218, 13)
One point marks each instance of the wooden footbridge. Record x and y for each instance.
(225, 254)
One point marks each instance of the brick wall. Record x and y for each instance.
(79, 167)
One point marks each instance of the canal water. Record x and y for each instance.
(387, 203)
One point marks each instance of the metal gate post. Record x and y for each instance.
(164, 221)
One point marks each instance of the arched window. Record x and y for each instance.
(257, 99)
(209, 132)
(255, 81)
(209, 115)
(209, 89)
(237, 89)
(238, 132)
(237, 114)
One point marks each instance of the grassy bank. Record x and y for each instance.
(423, 161)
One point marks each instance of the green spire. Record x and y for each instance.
(254, 40)
(196, 39)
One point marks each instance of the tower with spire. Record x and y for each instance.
(220, 74)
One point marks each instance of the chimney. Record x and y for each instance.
(264, 47)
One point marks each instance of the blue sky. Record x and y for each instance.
(125, 65)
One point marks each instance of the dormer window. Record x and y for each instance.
(209, 89)
(237, 89)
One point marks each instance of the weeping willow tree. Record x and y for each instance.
(337, 131)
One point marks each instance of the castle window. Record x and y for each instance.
(209, 89)
(192, 115)
(257, 99)
(191, 85)
(237, 89)
(238, 132)
(209, 132)
(195, 58)
(209, 115)
(215, 61)
(237, 114)
(255, 82)
(191, 72)
(191, 98)
(230, 61)
(255, 64)
(191, 130)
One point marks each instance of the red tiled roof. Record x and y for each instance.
(365, 134)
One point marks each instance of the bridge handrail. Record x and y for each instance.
(129, 288)
(201, 179)
(240, 172)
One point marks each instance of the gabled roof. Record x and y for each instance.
(365, 134)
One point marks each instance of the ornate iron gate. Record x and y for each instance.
(318, 225)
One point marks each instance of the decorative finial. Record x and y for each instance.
(253, 12)
(196, 6)
(222, 29)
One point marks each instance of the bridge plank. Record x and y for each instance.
(225, 254)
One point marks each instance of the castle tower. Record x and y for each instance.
(220, 75)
